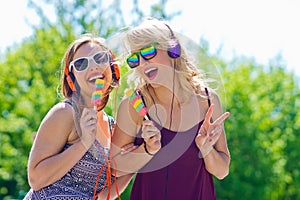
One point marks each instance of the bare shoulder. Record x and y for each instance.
(53, 132)
(59, 119)
(209, 94)
(62, 109)
(127, 111)
(213, 96)
(127, 120)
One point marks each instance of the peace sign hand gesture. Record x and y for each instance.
(209, 133)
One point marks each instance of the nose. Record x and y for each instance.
(92, 64)
(142, 60)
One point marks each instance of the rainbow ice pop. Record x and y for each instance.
(137, 103)
(98, 92)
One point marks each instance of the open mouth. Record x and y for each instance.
(151, 73)
(93, 79)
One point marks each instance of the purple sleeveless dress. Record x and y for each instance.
(176, 172)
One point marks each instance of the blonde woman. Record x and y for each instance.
(181, 144)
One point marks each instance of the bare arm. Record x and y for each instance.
(47, 163)
(128, 125)
(121, 184)
(211, 140)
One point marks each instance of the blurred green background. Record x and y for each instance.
(262, 131)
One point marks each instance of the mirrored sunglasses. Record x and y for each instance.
(147, 53)
(82, 63)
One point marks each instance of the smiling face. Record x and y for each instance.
(158, 70)
(95, 69)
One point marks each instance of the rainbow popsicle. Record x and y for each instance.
(98, 92)
(137, 103)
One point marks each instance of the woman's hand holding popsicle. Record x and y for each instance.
(89, 118)
(150, 133)
(88, 123)
(152, 137)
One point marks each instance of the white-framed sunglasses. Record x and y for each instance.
(82, 63)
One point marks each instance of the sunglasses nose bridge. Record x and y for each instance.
(142, 59)
(92, 63)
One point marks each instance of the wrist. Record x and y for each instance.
(147, 151)
(86, 144)
(203, 152)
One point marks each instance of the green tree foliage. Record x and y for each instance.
(262, 132)
(30, 77)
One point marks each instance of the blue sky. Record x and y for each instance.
(253, 28)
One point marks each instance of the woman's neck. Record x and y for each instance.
(164, 96)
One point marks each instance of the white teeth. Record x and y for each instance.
(95, 77)
(149, 70)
